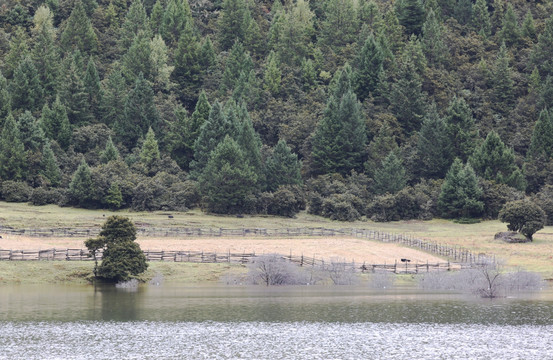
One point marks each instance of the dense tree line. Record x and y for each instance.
(349, 108)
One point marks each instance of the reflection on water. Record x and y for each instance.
(53, 322)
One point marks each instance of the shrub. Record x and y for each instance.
(341, 207)
(272, 269)
(15, 191)
(341, 273)
(496, 195)
(523, 216)
(544, 199)
(44, 196)
(286, 201)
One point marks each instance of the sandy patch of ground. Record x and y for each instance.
(346, 248)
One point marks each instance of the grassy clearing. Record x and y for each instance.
(80, 272)
(536, 256)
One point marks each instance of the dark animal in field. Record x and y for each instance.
(405, 260)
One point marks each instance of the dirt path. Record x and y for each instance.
(331, 247)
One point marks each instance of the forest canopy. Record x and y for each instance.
(387, 110)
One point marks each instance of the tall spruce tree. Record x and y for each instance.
(432, 40)
(55, 123)
(138, 59)
(340, 24)
(18, 50)
(461, 128)
(12, 152)
(339, 139)
(234, 20)
(460, 193)
(391, 177)
(78, 33)
(503, 83)
(135, 21)
(510, 32)
(81, 188)
(228, 180)
(110, 152)
(114, 99)
(282, 167)
(188, 69)
(50, 166)
(73, 91)
(541, 52)
(370, 62)
(296, 33)
(46, 59)
(481, 18)
(31, 132)
(238, 62)
(411, 15)
(149, 154)
(5, 99)
(93, 89)
(434, 148)
(26, 90)
(528, 27)
(176, 17)
(249, 141)
(541, 143)
(273, 75)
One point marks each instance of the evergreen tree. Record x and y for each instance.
(110, 152)
(19, 49)
(341, 23)
(161, 71)
(249, 141)
(140, 113)
(411, 15)
(308, 74)
(50, 167)
(149, 154)
(432, 40)
(176, 18)
(12, 152)
(74, 93)
(545, 100)
(391, 176)
(541, 52)
(234, 21)
(510, 33)
(114, 197)
(26, 90)
(138, 59)
(282, 167)
(46, 60)
(492, 160)
(502, 81)
(228, 180)
(297, 30)
(462, 11)
(93, 89)
(460, 193)
(434, 148)
(5, 99)
(55, 123)
(528, 27)
(136, 21)
(380, 146)
(406, 97)
(339, 139)
(81, 188)
(78, 33)
(114, 99)
(370, 61)
(481, 18)
(238, 61)
(156, 17)
(461, 128)
(207, 56)
(188, 70)
(542, 137)
(31, 133)
(212, 132)
(254, 39)
(272, 76)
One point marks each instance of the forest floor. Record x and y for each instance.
(479, 238)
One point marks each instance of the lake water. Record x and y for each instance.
(178, 322)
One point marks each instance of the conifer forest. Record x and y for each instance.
(349, 109)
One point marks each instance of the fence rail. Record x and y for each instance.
(455, 253)
(229, 257)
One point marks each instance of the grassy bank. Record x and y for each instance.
(479, 238)
(80, 272)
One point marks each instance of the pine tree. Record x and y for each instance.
(138, 59)
(528, 27)
(249, 141)
(406, 97)
(411, 15)
(26, 90)
(31, 133)
(492, 160)
(434, 148)
(339, 139)
(212, 132)
(81, 188)
(481, 18)
(159, 58)
(542, 137)
(340, 24)
(254, 39)
(207, 56)
(46, 60)
(50, 167)
(272, 76)
(461, 128)
(370, 61)
(296, 33)
(176, 18)
(541, 52)
(460, 193)
(5, 99)
(73, 91)
(188, 70)
(282, 167)
(140, 114)
(93, 89)
(228, 180)
(432, 40)
(308, 74)
(12, 152)
(510, 33)
(233, 22)
(110, 152)
(136, 21)
(462, 11)
(380, 146)
(55, 123)
(114, 198)
(503, 84)
(19, 49)
(114, 99)
(238, 61)
(545, 92)
(391, 176)
(156, 17)
(149, 154)
(78, 33)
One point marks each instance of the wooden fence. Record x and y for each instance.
(455, 253)
(236, 258)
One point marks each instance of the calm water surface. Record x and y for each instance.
(177, 322)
